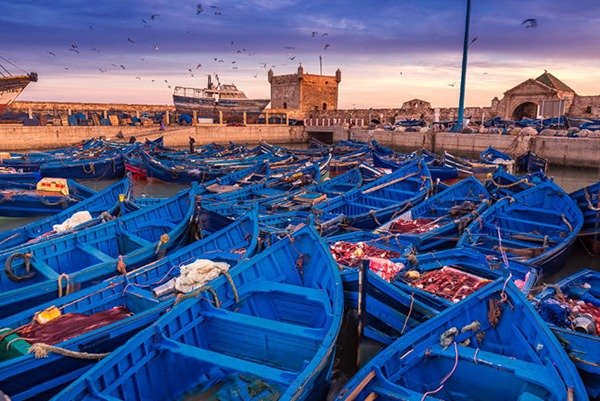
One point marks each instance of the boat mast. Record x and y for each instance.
(463, 77)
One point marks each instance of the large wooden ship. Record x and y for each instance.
(11, 86)
(209, 101)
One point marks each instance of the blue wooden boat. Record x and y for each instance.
(377, 202)
(105, 167)
(440, 279)
(21, 199)
(565, 306)
(466, 167)
(502, 183)
(10, 174)
(37, 273)
(483, 348)
(266, 332)
(437, 221)
(133, 301)
(439, 170)
(588, 200)
(388, 311)
(105, 201)
(537, 227)
(531, 163)
(494, 156)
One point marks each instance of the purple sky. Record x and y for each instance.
(388, 51)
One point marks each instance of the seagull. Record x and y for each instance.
(255, 75)
(215, 7)
(198, 66)
(529, 23)
(151, 80)
(74, 46)
(169, 86)
(234, 68)
(314, 33)
(166, 81)
(263, 65)
(122, 66)
(233, 62)
(218, 13)
(74, 50)
(485, 73)
(91, 27)
(325, 34)
(232, 43)
(452, 84)
(199, 9)
(114, 65)
(156, 47)
(292, 58)
(138, 78)
(101, 70)
(473, 40)
(153, 17)
(190, 70)
(95, 49)
(326, 46)
(66, 68)
(52, 54)
(130, 40)
(289, 47)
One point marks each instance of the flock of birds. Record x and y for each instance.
(217, 11)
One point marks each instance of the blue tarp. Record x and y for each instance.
(184, 119)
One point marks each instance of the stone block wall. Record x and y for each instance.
(585, 107)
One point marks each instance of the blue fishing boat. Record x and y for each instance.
(439, 170)
(443, 278)
(98, 319)
(531, 163)
(537, 227)
(10, 174)
(493, 346)
(37, 273)
(502, 183)
(466, 167)
(437, 221)
(377, 202)
(386, 310)
(267, 331)
(572, 309)
(588, 200)
(107, 166)
(97, 205)
(494, 156)
(47, 197)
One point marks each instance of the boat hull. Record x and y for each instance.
(230, 108)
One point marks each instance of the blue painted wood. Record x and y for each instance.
(588, 200)
(26, 377)
(290, 297)
(537, 226)
(466, 353)
(583, 348)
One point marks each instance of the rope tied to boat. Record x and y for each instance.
(121, 266)
(70, 287)
(410, 308)
(448, 375)
(197, 292)
(105, 216)
(588, 198)
(90, 170)
(8, 269)
(227, 275)
(41, 350)
(525, 180)
(567, 223)
(373, 215)
(164, 239)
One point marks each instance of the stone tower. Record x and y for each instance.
(304, 92)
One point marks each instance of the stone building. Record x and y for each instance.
(302, 93)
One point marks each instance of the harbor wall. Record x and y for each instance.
(574, 152)
(18, 137)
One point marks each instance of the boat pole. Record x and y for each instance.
(463, 76)
(363, 268)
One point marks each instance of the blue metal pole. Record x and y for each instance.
(463, 76)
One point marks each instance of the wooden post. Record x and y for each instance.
(105, 113)
(30, 113)
(245, 117)
(137, 113)
(361, 309)
(287, 119)
(167, 122)
(69, 111)
(267, 118)
(221, 117)
(195, 117)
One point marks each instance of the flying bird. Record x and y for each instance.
(156, 47)
(166, 81)
(198, 66)
(233, 62)
(255, 75)
(314, 34)
(122, 66)
(102, 70)
(74, 46)
(95, 49)
(529, 22)
(325, 34)
(234, 68)
(151, 80)
(66, 68)
(232, 43)
(74, 50)
(290, 47)
(326, 46)
(153, 17)
(114, 65)
(215, 7)
(130, 40)
(452, 84)
(292, 58)
(473, 40)
(190, 70)
(199, 9)
(138, 78)
(218, 13)
(485, 73)
(52, 54)
(91, 27)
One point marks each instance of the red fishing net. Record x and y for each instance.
(579, 307)
(447, 282)
(70, 325)
(351, 255)
(412, 226)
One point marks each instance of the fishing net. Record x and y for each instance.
(447, 282)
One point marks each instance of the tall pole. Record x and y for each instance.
(320, 65)
(463, 76)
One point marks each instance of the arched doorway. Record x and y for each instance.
(525, 110)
